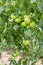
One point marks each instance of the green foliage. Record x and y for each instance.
(22, 20)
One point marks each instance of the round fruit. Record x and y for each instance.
(14, 54)
(32, 24)
(26, 42)
(23, 24)
(25, 16)
(17, 20)
(17, 53)
(2, 39)
(27, 20)
(12, 16)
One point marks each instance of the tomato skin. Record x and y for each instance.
(23, 24)
(32, 25)
(17, 20)
(27, 20)
(26, 16)
(12, 16)
(26, 42)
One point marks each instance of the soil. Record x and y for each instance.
(5, 56)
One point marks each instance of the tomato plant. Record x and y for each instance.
(21, 29)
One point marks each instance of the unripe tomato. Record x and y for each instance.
(15, 54)
(25, 16)
(26, 42)
(12, 16)
(23, 24)
(17, 20)
(3, 40)
(27, 20)
(32, 24)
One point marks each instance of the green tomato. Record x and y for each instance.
(17, 20)
(17, 53)
(12, 16)
(26, 42)
(27, 20)
(26, 16)
(32, 25)
(23, 24)
(14, 54)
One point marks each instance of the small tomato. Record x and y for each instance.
(27, 20)
(12, 16)
(26, 42)
(23, 24)
(17, 20)
(32, 24)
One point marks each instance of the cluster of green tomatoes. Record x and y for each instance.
(23, 23)
(26, 21)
